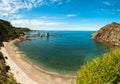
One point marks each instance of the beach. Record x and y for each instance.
(27, 73)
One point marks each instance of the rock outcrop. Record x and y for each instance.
(108, 34)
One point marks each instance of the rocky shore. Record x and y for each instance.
(108, 34)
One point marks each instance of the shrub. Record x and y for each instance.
(102, 70)
(5, 76)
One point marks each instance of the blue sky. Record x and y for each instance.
(60, 14)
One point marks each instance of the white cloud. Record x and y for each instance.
(43, 17)
(106, 3)
(48, 17)
(13, 7)
(56, 1)
(71, 15)
(60, 17)
(35, 24)
(111, 2)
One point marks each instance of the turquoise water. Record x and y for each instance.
(63, 52)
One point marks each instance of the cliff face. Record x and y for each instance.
(108, 34)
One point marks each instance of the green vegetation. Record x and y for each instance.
(102, 70)
(21, 30)
(5, 76)
(8, 32)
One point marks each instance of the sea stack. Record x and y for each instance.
(47, 34)
(108, 34)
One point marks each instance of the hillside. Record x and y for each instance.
(108, 34)
(8, 32)
(102, 70)
(5, 76)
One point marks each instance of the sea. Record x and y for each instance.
(63, 52)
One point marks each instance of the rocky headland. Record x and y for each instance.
(108, 34)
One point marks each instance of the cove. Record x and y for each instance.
(64, 52)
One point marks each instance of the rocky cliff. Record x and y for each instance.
(108, 34)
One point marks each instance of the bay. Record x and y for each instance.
(64, 52)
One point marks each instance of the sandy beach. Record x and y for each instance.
(27, 73)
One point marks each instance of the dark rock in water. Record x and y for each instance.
(47, 34)
(41, 35)
(108, 34)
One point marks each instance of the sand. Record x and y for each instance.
(27, 73)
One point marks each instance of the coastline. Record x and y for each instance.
(26, 72)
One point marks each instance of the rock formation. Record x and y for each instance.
(108, 34)
(47, 34)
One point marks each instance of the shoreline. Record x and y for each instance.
(42, 77)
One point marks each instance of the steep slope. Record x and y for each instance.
(108, 34)
(5, 76)
(102, 70)
(8, 32)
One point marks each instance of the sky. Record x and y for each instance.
(60, 14)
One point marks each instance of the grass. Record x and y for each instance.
(102, 70)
